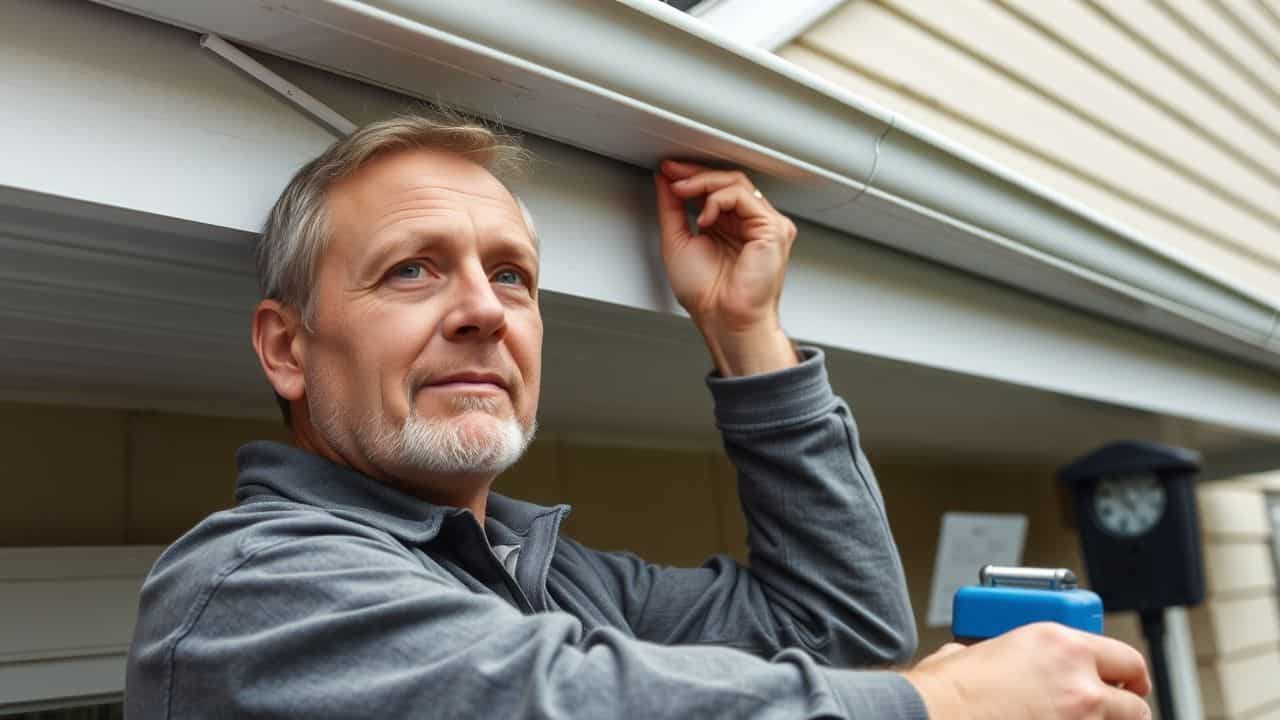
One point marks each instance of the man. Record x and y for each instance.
(369, 571)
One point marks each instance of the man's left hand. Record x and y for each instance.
(728, 275)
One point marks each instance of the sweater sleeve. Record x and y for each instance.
(340, 626)
(824, 573)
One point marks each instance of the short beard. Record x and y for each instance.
(445, 446)
(452, 446)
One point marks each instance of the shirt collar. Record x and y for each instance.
(271, 469)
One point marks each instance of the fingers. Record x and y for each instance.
(1119, 663)
(677, 170)
(734, 198)
(1120, 704)
(709, 181)
(671, 218)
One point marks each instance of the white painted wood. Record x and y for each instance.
(764, 23)
(68, 615)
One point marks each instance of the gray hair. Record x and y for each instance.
(297, 229)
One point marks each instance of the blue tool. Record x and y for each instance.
(1010, 597)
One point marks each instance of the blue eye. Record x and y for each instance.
(408, 271)
(507, 277)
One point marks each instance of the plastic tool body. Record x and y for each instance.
(1009, 598)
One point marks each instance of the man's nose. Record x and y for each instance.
(476, 313)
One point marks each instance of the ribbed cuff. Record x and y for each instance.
(772, 399)
(879, 695)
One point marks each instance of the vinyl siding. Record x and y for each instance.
(1164, 116)
(1236, 631)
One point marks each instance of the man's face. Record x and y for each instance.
(424, 358)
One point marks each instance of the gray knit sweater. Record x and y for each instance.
(326, 594)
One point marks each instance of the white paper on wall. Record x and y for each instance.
(966, 543)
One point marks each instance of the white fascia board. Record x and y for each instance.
(767, 24)
(641, 80)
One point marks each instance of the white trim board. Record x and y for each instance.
(69, 616)
(767, 24)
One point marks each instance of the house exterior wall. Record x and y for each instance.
(145, 478)
(1161, 115)
(1237, 630)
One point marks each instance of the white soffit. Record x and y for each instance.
(638, 80)
(767, 24)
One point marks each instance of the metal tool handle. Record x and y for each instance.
(1040, 578)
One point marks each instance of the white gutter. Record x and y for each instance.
(637, 80)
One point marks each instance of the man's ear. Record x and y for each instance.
(276, 329)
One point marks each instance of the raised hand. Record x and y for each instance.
(728, 275)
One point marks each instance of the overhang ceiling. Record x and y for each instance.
(106, 307)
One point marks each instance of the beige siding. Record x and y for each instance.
(64, 476)
(1242, 687)
(1236, 631)
(660, 504)
(181, 467)
(1213, 23)
(1191, 54)
(1090, 99)
(1236, 625)
(1108, 47)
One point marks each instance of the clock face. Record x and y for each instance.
(1129, 505)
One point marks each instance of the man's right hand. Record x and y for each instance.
(1042, 672)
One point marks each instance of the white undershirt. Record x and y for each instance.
(508, 555)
